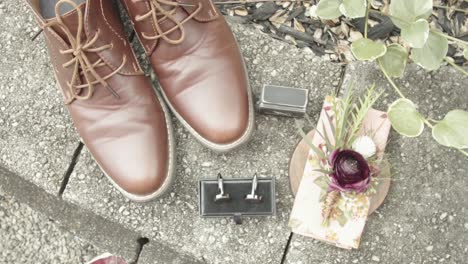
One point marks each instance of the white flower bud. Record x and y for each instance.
(365, 146)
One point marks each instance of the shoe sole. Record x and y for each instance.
(171, 164)
(221, 148)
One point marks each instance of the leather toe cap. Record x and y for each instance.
(137, 165)
(217, 112)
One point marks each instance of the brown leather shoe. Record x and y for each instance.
(199, 67)
(111, 102)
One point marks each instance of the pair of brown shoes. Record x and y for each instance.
(121, 119)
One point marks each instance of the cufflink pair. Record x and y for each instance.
(251, 197)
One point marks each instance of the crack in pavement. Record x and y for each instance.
(70, 169)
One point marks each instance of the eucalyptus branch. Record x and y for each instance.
(390, 79)
(425, 120)
(450, 8)
(367, 18)
(458, 68)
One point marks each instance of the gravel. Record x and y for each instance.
(27, 236)
(36, 134)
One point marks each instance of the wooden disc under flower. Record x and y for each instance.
(296, 170)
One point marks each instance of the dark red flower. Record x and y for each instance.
(350, 171)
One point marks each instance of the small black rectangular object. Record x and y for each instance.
(237, 205)
(284, 101)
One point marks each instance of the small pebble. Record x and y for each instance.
(443, 216)
(206, 164)
(375, 258)
(211, 239)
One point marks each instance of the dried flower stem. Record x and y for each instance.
(329, 204)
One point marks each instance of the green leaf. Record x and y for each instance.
(323, 171)
(332, 124)
(416, 33)
(324, 136)
(342, 219)
(309, 143)
(405, 119)
(394, 60)
(366, 49)
(328, 9)
(431, 55)
(452, 131)
(322, 182)
(408, 11)
(353, 8)
(323, 196)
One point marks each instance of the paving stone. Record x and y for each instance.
(175, 219)
(28, 236)
(429, 183)
(36, 134)
(95, 232)
(151, 254)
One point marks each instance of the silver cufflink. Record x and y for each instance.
(221, 196)
(253, 197)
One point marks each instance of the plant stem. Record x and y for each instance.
(427, 122)
(448, 8)
(367, 18)
(448, 37)
(390, 79)
(463, 152)
(458, 68)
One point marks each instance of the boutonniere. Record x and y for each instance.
(349, 159)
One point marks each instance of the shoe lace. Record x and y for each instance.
(158, 14)
(83, 68)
